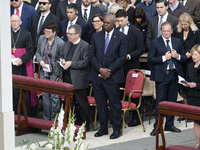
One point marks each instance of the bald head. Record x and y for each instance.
(15, 22)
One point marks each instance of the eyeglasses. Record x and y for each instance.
(47, 32)
(121, 1)
(43, 3)
(14, 0)
(69, 34)
(97, 21)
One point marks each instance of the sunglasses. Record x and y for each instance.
(43, 3)
(14, 0)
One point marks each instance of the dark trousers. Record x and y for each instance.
(166, 91)
(102, 93)
(80, 96)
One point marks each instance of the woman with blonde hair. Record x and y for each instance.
(193, 87)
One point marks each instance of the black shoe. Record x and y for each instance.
(101, 133)
(133, 123)
(115, 134)
(153, 132)
(189, 120)
(172, 129)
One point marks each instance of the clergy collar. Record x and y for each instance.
(77, 41)
(15, 31)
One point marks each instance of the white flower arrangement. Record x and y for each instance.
(63, 140)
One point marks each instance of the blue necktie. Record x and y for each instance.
(169, 61)
(106, 43)
(122, 30)
(71, 23)
(159, 26)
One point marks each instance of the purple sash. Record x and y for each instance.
(29, 68)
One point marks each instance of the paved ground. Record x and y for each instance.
(133, 138)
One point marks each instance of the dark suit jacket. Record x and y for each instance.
(193, 76)
(113, 59)
(135, 48)
(93, 11)
(194, 7)
(53, 5)
(152, 30)
(178, 11)
(61, 9)
(50, 18)
(79, 70)
(156, 51)
(28, 12)
(85, 29)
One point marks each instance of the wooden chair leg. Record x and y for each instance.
(95, 118)
(123, 120)
(138, 112)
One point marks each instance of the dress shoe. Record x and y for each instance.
(172, 129)
(153, 132)
(115, 134)
(101, 133)
(133, 123)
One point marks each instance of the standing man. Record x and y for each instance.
(87, 11)
(107, 58)
(76, 70)
(48, 52)
(176, 8)
(25, 11)
(22, 53)
(39, 21)
(165, 56)
(72, 12)
(154, 26)
(135, 48)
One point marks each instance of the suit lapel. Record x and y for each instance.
(43, 45)
(66, 49)
(77, 51)
(23, 14)
(129, 32)
(54, 48)
(156, 26)
(162, 43)
(112, 41)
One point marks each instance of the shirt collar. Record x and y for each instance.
(164, 17)
(72, 2)
(166, 39)
(45, 15)
(75, 19)
(15, 31)
(174, 6)
(77, 41)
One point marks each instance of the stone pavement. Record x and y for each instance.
(133, 138)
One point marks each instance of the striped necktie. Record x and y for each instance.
(85, 15)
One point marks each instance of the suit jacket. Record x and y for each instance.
(53, 5)
(157, 50)
(178, 11)
(193, 76)
(28, 12)
(56, 53)
(93, 11)
(152, 30)
(85, 29)
(194, 7)
(113, 59)
(79, 70)
(50, 18)
(61, 9)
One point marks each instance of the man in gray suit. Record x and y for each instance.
(48, 52)
(76, 69)
(154, 26)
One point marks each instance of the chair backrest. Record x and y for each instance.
(134, 81)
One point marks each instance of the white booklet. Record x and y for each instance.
(60, 62)
(13, 60)
(181, 80)
(47, 69)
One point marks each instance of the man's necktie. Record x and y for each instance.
(106, 43)
(169, 61)
(17, 12)
(159, 26)
(85, 15)
(122, 30)
(71, 23)
(40, 25)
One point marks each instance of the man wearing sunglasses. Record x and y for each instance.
(39, 21)
(25, 11)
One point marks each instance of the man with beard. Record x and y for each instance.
(87, 11)
(25, 11)
(22, 53)
(39, 21)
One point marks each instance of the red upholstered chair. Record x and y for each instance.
(133, 89)
(92, 102)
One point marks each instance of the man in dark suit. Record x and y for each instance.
(135, 48)
(39, 21)
(72, 11)
(25, 11)
(165, 56)
(76, 70)
(87, 11)
(35, 4)
(107, 58)
(154, 30)
(61, 8)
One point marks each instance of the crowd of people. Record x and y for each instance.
(98, 42)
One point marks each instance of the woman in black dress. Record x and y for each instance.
(193, 87)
